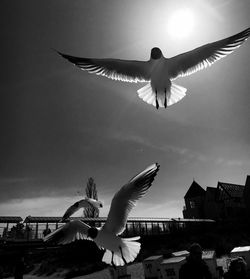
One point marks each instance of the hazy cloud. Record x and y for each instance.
(223, 161)
(186, 154)
(181, 151)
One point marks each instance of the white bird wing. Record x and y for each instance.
(125, 199)
(123, 70)
(201, 57)
(84, 203)
(69, 232)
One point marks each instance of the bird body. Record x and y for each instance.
(160, 92)
(160, 82)
(159, 71)
(119, 251)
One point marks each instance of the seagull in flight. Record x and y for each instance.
(119, 251)
(160, 71)
(84, 203)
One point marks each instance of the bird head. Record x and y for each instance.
(95, 203)
(92, 232)
(155, 53)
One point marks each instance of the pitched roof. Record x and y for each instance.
(195, 190)
(232, 190)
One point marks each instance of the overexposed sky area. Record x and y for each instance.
(61, 125)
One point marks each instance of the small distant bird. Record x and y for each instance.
(84, 203)
(119, 251)
(160, 71)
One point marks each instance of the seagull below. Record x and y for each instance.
(119, 251)
(84, 203)
(159, 71)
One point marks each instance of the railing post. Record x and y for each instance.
(36, 234)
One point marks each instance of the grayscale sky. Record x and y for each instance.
(61, 125)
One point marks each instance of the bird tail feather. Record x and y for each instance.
(130, 249)
(175, 94)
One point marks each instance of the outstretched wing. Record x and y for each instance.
(75, 207)
(123, 70)
(84, 203)
(69, 232)
(201, 57)
(125, 199)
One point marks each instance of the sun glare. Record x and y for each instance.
(181, 23)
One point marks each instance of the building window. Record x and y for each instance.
(170, 272)
(192, 204)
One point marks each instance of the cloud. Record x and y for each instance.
(14, 180)
(167, 209)
(47, 206)
(22, 187)
(42, 206)
(237, 163)
(186, 154)
(181, 151)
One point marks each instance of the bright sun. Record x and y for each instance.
(181, 23)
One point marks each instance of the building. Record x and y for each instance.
(194, 201)
(226, 202)
(247, 196)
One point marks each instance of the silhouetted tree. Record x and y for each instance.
(91, 192)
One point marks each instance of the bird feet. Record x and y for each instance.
(122, 255)
(112, 260)
(165, 100)
(156, 101)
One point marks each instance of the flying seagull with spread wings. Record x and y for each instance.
(84, 203)
(159, 71)
(119, 251)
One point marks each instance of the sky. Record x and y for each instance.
(60, 125)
